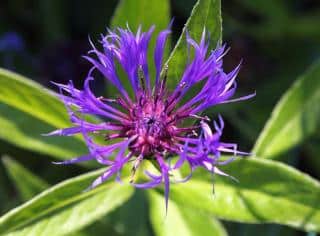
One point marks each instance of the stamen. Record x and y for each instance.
(175, 97)
(135, 167)
(122, 103)
(112, 136)
(164, 78)
(187, 129)
(158, 92)
(194, 133)
(101, 98)
(142, 78)
(205, 118)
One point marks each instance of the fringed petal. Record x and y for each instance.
(75, 160)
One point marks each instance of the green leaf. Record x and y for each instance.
(125, 221)
(181, 220)
(31, 98)
(294, 118)
(267, 192)
(205, 14)
(28, 110)
(142, 12)
(23, 130)
(65, 207)
(25, 182)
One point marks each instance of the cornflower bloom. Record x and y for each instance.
(149, 125)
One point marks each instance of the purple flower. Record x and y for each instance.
(150, 124)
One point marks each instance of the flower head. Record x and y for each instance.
(150, 124)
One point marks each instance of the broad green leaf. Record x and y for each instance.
(131, 218)
(181, 220)
(124, 220)
(28, 110)
(65, 207)
(142, 12)
(294, 118)
(25, 182)
(206, 14)
(267, 192)
(31, 98)
(23, 130)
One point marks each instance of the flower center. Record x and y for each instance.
(152, 127)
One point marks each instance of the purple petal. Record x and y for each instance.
(75, 160)
(158, 52)
(65, 132)
(165, 174)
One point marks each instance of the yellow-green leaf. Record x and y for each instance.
(295, 117)
(206, 14)
(267, 192)
(180, 219)
(28, 110)
(65, 207)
